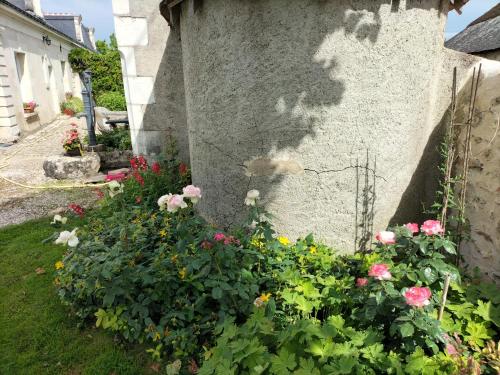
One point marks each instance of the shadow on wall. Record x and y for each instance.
(165, 120)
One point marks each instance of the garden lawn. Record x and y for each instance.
(37, 333)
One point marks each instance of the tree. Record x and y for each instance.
(104, 64)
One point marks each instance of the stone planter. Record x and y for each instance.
(115, 159)
(66, 167)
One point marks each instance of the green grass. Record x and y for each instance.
(37, 333)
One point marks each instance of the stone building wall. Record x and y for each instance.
(153, 78)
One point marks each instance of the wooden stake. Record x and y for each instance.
(445, 296)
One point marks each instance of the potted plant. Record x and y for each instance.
(29, 107)
(72, 143)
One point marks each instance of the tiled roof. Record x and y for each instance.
(480, 36)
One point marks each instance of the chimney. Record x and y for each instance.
(34, 6)
(92, 36)
(78, 28)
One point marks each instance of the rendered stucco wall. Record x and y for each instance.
(153, 78)
(482, 250)
(326, 107)
(19, 36)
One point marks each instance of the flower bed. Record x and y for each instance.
(249, 301)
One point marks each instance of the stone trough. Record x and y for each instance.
(63, 167)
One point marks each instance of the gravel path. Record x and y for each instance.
(23, 163)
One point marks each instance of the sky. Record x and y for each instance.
(99, 14)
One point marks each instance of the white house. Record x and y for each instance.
(34, 64)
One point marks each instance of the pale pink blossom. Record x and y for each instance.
(432, 227)
(193, 193)
(361, 282)
(175, 202)
(412, 227)
(386, 237)
(380, 272)
(418, 296)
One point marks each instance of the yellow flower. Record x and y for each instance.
(137, 220)
(313, 250)
(257, 242)
(173, 259)
(283, 240)
(183, 273)
(265, 297)
(156, 337)
(153, 217)
(163, 233)
(59, 265)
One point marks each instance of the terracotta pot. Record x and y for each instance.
(69, 112)
(29, 110)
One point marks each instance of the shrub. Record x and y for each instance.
(73, 104)
(112, 100)
(117, 139)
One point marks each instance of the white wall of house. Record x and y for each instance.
(30, 69)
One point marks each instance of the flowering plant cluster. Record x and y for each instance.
(30, 106)
(250, 299)
(72, 140)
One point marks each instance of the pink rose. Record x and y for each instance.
(174, 202)
(192, 192)
(386, 238)
(412, 227)
(219, 237)
(361, 282)
(380, 272)
(432, 227)
(417, 296)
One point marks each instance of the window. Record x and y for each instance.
(65, 77)
(23, 74)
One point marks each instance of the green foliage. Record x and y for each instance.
(104, 64)
(74, 104)
(112, 100)
(175, 282)
(308, 347)
(116, 139)
(37, 334)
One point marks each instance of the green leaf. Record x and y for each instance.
(346, 364)
(477, 333)
(217, 293)
(483, 310)
(449, 247)
(406, 329)
(283, 363)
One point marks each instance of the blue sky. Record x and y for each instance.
(99, 14)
